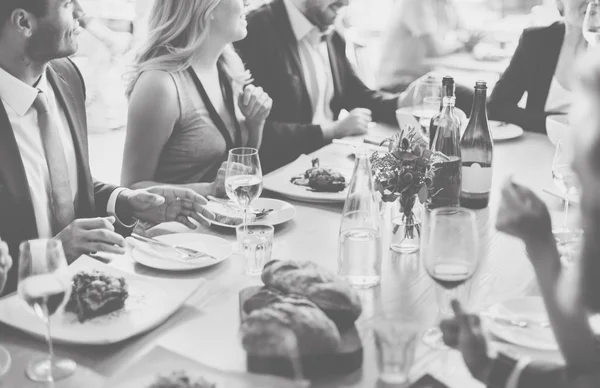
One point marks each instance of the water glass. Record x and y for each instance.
(256, 244)
(396, 343)
(426, 100)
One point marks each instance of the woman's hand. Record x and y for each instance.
(523, 214)
(255, 105)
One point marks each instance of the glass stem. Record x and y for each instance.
(245, 220)
(49, 340)
(566, 216)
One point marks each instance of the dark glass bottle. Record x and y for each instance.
(448, 176)
(477, 149)
(447, 91)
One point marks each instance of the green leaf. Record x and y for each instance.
(423, 194)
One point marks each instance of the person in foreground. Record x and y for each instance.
(187, 102)
(294, 54)
(542, 66)
(46, 188)
(571, 296)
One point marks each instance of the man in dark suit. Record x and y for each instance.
(296, 57)
(46, 188)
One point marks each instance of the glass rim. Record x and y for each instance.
(264, 224)
(50, 242)
(243, 151)
(453, 210)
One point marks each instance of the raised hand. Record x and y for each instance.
(255, 105)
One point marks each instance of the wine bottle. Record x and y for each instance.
(477, 150)
(447, 91)
(448, 174)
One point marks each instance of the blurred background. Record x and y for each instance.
(104, 60)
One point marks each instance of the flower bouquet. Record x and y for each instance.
(405, 173)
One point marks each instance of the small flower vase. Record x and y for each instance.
(407, 218)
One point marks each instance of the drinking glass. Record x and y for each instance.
(243, 178)
(451, 259)
(395, 342)
(5, 359)
(256, 244)
(591, 23)
(426, 101)
(45, 285)
(565, 179)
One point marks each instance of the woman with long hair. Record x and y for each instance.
(190, 101)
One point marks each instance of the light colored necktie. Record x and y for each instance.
(61, 198)
(320, 89)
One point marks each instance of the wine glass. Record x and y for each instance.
(5, 359)
(426, 101)
(564, 178)
(243, 178)
(591, 23)
(451, 259)
(45, 285)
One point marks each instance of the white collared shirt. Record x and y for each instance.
(18, 99)
(316, 67)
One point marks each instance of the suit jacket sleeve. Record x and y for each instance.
(102, 192)
(509, 90)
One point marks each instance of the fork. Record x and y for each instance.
(515, 322)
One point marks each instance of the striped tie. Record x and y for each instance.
(61, 198)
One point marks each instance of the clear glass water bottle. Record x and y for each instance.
(359, 248)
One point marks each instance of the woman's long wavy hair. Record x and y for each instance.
(177, 30)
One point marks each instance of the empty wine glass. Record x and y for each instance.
(591, 23)
(451, 259)
(243, 178)
(426, 101)
(45, 285)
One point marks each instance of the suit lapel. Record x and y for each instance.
(12, 172)
(283, 25)
(64, 96)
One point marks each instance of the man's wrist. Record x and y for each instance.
(329, 131)
(118, 206)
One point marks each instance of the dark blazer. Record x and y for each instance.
(17, 218)
(270, 52)
(531, 70)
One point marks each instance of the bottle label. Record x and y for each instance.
(476, 179)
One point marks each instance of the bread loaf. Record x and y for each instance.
(274, 321)
(329, 291)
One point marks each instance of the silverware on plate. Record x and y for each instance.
(187, 253)
(259, 213)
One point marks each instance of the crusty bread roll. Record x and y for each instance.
(329, 291)
(271, 323)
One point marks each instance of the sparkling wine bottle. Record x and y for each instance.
(447, 91)
(477, 149)
(448, 174)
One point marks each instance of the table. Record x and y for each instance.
(206, 328)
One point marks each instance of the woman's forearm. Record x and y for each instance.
(569, 321)
(200, 188)
(256, 134)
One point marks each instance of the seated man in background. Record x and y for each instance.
(417, 30)
(46, 187)
(296, 57)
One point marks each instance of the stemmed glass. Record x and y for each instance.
(591, 23)
(426, 101)
(243, 178)
(451, 259)
(45, 285)
(564, 177)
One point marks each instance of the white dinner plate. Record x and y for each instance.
(279, 181)
(504, 131)
(282, 212)
(214, 246)
(530, 309)
(151, 301)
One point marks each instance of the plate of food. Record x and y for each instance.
(106, 306)
(264, 210)
(162, 368)
(152, 255)
(310, 180)
(504, 131)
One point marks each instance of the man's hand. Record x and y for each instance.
(354, 124)
(464, 333)
(165, 203)
(90, 235)
(523, 214)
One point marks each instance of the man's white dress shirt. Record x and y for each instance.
(17, 98)
(316, 67)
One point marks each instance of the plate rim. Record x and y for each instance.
(518, 133)
(272, 224)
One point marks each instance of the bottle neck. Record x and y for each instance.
(479, 104)
(447, 91)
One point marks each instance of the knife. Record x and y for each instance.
(188, 253)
